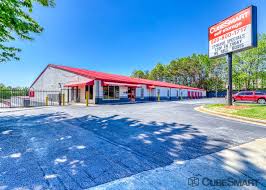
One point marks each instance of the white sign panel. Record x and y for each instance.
(233, 34)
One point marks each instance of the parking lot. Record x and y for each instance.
(77, 147)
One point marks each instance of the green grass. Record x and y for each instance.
(214, 105)
(245, 110)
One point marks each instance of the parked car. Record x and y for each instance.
(250, 96)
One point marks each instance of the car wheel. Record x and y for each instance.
(261, 101)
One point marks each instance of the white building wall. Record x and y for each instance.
(184, 93)
(147, 91)
(163, 91)
(203, 93)
(97, 89)
(51, 78)
(123, 92)
(138, 91)
(100, 95)
(82, 95)
(174, 92)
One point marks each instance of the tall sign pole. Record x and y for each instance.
(230, 77)
(234, 34)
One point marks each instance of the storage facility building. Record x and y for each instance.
(100, 88)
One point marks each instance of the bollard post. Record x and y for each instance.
(87, 98)
(46, 100)
(63, 99)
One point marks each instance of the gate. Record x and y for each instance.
(11, 98)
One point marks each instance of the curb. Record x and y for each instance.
(232, 117)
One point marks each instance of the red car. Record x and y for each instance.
(250, 96)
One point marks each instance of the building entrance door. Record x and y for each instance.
(89, 90)
(151, 94)
(131, 94)
(75, 94)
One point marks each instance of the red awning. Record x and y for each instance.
(80, 83)
(120, 84)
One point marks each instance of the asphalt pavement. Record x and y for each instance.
(77, 147)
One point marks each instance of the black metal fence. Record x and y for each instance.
(27, 98)
(211, 94)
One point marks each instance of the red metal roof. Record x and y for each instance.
(117, 78)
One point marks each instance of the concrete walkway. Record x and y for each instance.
(240, 167)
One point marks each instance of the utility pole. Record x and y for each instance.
(230, 88)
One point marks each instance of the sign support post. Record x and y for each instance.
(230, 84)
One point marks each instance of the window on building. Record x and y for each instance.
(142, 93)
(105, 92)
(91, 92)
(86, 90)
(110, 92)
(116, 92)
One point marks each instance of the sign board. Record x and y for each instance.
(31, 93)
(235, 33)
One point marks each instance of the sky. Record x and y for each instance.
(118, 36)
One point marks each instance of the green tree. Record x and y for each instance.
(16, 22)
(217, 75)
(140, 74)
(179, 70)
(158, 72)
(250, 66)
(197, 70)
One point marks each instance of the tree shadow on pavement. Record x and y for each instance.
(58, 151)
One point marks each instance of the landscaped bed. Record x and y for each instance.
(244, 110)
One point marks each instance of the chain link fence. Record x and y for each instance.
(13, 98)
